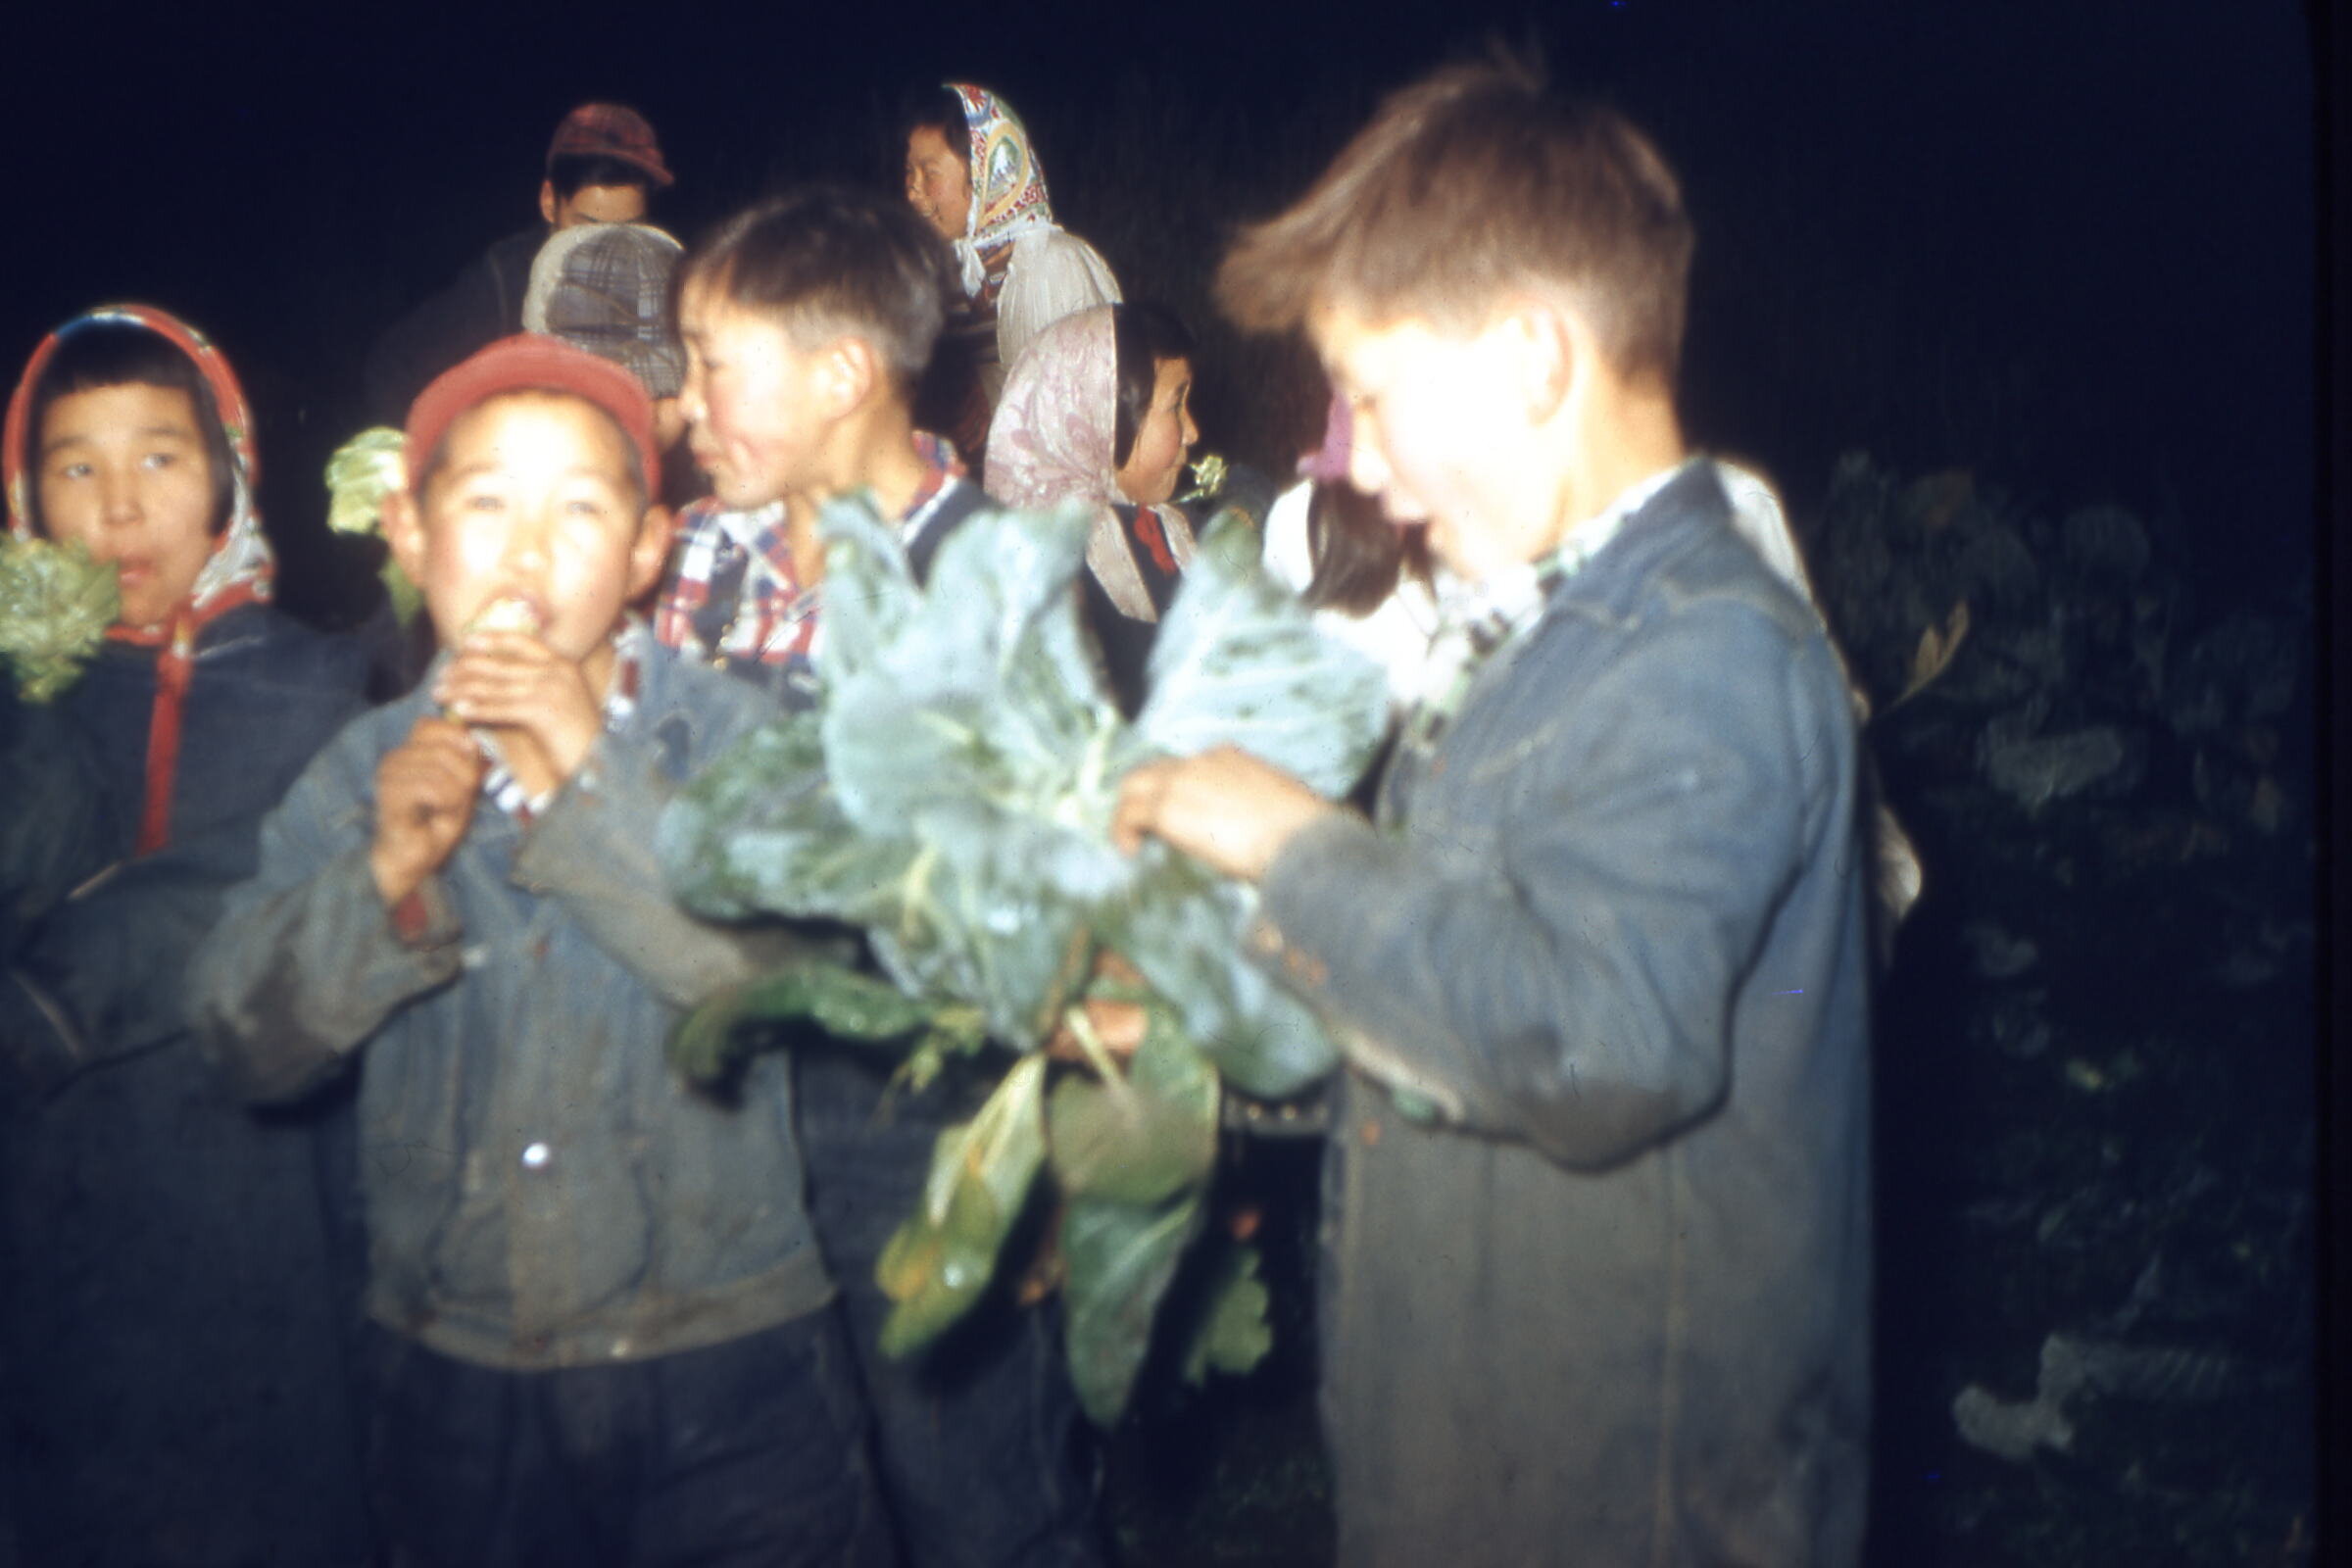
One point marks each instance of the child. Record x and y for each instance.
(806, 321)
(1598, 1276)
(165, 1266)
(1099, 409)
(597, 1309)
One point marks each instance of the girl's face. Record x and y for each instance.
(938, 180)
(125, 470)
(1165, 437)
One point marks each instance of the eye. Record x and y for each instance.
(160, 460)
(72, 470)
(484, 500)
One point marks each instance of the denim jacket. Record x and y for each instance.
(540, 1188)
(1609, 1302)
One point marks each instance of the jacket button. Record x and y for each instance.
(536, 1156)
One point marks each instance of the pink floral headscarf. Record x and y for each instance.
(1053, 439)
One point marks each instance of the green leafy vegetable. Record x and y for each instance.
(363, 470)
(951, 797)
(1232, 1334)
(56, 603)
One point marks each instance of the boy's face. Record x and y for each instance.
(591, 204)
(124, 470)
(756, 404)
(1441, 418)
(533, 501)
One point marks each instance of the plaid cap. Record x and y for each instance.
(530, 363)
(609, 130)
(605, 288)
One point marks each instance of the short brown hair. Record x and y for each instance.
(824, 260)
(1471, 184)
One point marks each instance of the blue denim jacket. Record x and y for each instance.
(1612, 1301)
(540, 1188)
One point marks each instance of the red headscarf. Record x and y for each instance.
(237, 572)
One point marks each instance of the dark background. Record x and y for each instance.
(2069, 246)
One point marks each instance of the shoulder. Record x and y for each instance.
(264, 643)
(1055, 258)
(690, 713)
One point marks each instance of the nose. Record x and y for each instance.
(118, 498)
(1367, 471)
(691, 405)
(1192, 431)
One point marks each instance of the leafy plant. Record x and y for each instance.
(363, 470)
(952, 796)
(56, 603)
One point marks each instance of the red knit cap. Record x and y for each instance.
(530, 363)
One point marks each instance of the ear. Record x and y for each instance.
(403, 531)
(850, 370)
(547, 200)
(1551, 350)
(649, 553)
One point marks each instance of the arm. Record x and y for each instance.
(1555, 956)
(593, 849)
(310, 956)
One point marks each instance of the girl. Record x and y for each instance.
(972, 174)
(1099, 410)
(168, 1283)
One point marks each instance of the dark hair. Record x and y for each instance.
(1467, 187)
(93, 355)
(1358, 556)
(825, 260)
(435, 460)
(941, 109)
(1144, 334)
(570, 173)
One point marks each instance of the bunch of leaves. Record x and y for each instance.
(952, 794)
(363, 470)
(56, 603)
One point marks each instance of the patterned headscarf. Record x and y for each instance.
(240, 568)
(1054, 437)
(238, 571)
(1008, 189)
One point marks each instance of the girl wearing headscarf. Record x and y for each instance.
(164, 1259)
(1098, 411)
(974, 175)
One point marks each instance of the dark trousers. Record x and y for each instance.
(978, 1438)
(747, 1454)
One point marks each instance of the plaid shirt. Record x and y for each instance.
(1478, 624)
(505, 790)
(733, 593)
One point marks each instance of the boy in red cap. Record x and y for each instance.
(595, 1302)
(602, 166)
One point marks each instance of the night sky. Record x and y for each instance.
(2068, 245)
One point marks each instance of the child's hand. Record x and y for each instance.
(512, 680)
(1223, 808)
(425, 790)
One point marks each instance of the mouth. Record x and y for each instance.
(508, 612)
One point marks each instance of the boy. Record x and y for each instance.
(597, 1303)
(808, 321)
(602, 166)
(1597, 1278)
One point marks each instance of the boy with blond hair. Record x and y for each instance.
(1597, 1278)
(598, 1310)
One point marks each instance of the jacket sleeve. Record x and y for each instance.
(435, 334)
(593, 849)
(305, 961)
(1569, 980)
